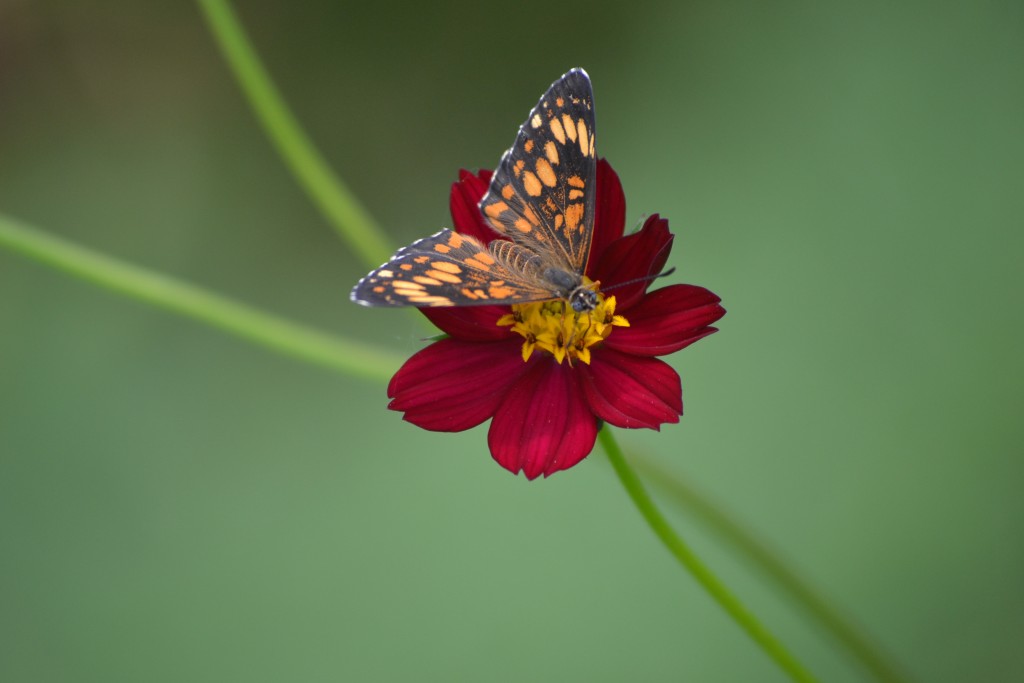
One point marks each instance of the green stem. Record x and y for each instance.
(686, 557)
(327, 191)
(243, 321)
(760, 556)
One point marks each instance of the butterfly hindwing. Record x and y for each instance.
(542, 194)
(446, 269)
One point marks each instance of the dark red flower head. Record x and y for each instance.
(545, 399)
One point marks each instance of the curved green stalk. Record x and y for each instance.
(160, 290)
(704, 576)
(761, 557)
(327, 191)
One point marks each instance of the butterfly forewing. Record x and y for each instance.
(446, 269)
(542, 194)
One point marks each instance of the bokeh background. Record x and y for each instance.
(176, 504)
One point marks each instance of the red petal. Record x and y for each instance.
(470, 323)
(631, 391)
(609, 210)
(453, 385)
(634, 256)
(668, 319)
(543, 425)
(463, 200)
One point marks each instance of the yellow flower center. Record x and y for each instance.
(554, 327)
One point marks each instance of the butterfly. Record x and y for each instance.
(540, 200)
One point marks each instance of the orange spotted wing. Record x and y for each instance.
(541, 198)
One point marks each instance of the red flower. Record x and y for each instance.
(545, 412)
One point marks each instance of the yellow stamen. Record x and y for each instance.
(553, 326)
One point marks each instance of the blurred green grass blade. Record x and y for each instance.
(800, 593)
(695, 566)
(236, 318)
(327, 191)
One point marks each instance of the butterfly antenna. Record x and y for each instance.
(647, 278)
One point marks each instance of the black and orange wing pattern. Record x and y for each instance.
(541, 198)
(542, 194)
(447, 269)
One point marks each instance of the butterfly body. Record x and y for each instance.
(540, 203)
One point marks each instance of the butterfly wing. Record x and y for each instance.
(541, 197)
(449, 269)
(542, 194)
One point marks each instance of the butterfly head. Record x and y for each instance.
(580, 292)
(583, 299)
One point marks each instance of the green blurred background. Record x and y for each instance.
(178, 505)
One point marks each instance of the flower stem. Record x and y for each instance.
(686, 557)
(327, 191)
(758, 554)
(243, 321)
